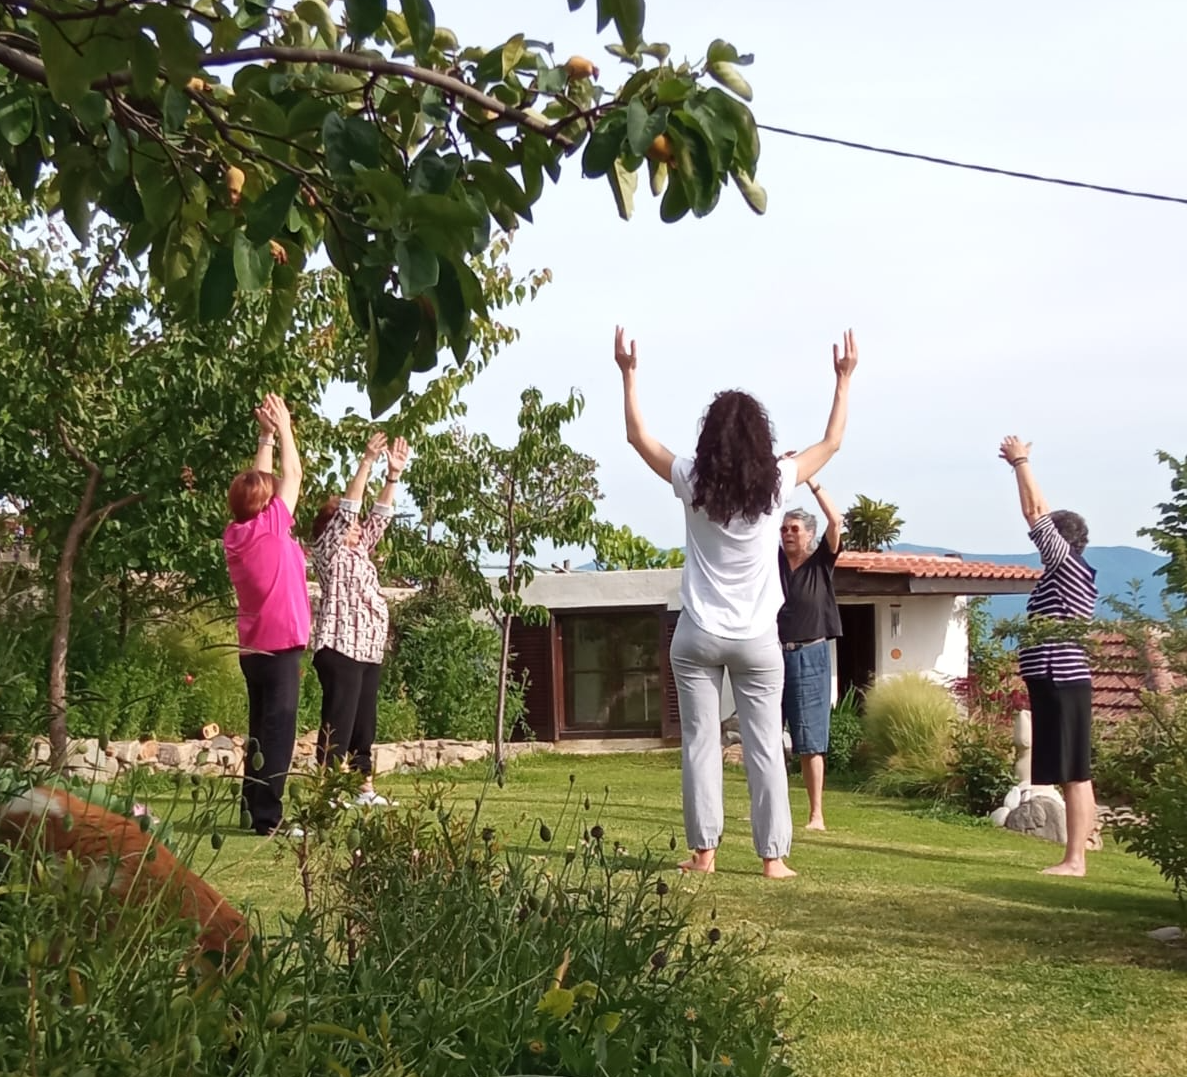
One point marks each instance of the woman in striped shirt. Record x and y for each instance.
(1056, 671)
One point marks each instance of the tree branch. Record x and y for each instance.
(30, 67)
(99, 515)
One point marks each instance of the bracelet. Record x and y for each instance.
(266, 439)
(393, 478)
(815, 489)
(1020, 460)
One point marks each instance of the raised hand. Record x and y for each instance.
(1013, 449)
(845, 363)
(277, 411)
(397, 456)
(376, 446)
(626, 360)
(267, 426)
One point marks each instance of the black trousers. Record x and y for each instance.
(349, 697)
(273, 690)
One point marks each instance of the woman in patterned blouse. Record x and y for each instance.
(350, 632)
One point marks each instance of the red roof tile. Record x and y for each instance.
(933, 566)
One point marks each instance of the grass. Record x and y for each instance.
(913, 944)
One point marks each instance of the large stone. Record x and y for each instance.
(1041, 817)
(999, 815)
(87, 760)
(126, 752)
(733, 755)
(148, 751)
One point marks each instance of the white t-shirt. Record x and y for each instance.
(730, 586)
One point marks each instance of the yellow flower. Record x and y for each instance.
(536, 1047)
(726, 1060)
(690, 1014)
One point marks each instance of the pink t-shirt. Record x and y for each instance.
(267, 569)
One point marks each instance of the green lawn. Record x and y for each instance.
(915, 945)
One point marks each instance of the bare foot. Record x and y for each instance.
(704, 860)
(815, 823)
(776, 869)
(1065, 867)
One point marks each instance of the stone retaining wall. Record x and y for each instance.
(224, 755)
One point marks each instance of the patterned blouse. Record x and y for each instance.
(352, 616)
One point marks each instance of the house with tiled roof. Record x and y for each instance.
(599, 667)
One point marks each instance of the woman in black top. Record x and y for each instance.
(808, 620)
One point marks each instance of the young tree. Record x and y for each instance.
(120, 429)
(871, 525)
(384, 139)
(618, 548)
(1169, 535)
(489, 500)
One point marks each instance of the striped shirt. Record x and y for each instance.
(352, 616)
(1065, 592)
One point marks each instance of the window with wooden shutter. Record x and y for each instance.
(532, 656)
(670, 718)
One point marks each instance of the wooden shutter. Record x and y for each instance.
(532, 655)
(670, 717)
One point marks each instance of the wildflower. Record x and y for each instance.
(714, 934)
(690, 1014)
(596, 832)
(661, 888)
(726, 1060)
(536, 1047)
(659, 959)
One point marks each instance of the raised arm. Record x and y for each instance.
(832, 516)
(654, 454)
(1016, 453)
(376, 445)
(265, 442)
(288, 487)
(383, 511)
(814, 457)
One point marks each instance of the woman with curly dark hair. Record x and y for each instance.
(732, 492)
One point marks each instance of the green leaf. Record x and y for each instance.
(74, 200)
(417, 267)
(605, 145)
(174, 109)
(348, 140)
(675, 201)
(731, 78)
(623, 183)
(422, 24)
(267, 215)
(253, 264)
(659, 176)
(68, 78)
(606, 12)
(180, 53)
(722, 52)
(395, 324)
(145, 62)
(217, 296)
(754, 193)
(281, 307)
(158, 191)
(628, 18)
(552, 81)
(452, 306)
(364, 17)
(673, 90)
(512, 53)
(433, 174)
(731, 110)
(317, 15)
(694, 165)
(642, 127)
(499, 186)
(16, 117)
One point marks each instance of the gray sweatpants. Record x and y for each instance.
(699, 661)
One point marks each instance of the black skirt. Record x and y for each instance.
(1061, 731)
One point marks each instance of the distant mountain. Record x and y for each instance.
(1116, 568)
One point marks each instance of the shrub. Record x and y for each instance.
(983, 767)
(448, 663)
(846, 734)
(909, 722)
(426, 945)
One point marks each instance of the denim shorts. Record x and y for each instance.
(807, 697)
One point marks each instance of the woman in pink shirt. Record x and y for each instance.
(267, 569)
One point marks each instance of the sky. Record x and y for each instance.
(982, 305)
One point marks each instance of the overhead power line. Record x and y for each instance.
(974, 168)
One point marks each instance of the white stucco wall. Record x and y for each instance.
(932, 637)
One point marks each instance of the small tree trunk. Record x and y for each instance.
(501, 705)
(63, 609)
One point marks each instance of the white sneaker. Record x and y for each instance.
(370, 798)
